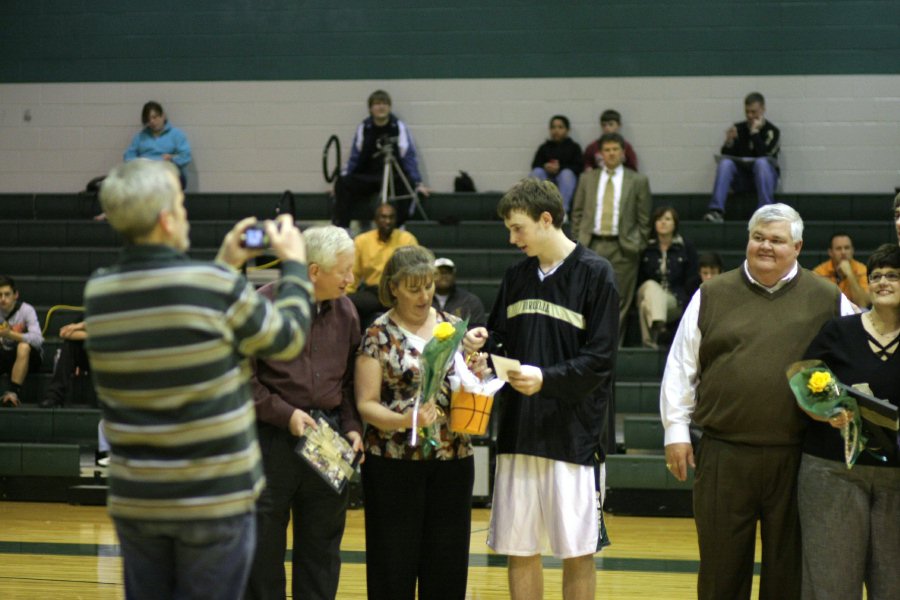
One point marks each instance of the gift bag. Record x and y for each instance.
(471, 399)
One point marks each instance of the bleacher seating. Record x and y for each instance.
(51, 245)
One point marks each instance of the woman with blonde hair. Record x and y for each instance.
(417, 498)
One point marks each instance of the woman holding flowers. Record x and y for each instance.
(417, 498)
(850, 518)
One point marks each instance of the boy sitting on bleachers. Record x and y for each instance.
(20, 340)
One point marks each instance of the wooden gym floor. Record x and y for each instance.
(59, 551)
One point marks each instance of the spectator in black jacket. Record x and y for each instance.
(559, 160)
(455, 300)
(363, 174)
(667, 267)
(749, 159)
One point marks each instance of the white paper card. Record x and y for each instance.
(503, 365)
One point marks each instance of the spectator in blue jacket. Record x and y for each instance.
(159, 140)
(362, 176)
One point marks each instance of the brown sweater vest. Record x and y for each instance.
(749, 338)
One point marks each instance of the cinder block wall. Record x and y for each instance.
(259, 87)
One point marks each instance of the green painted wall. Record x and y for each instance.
(231, 40)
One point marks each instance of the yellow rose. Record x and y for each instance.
(819, 382)
(443, 331)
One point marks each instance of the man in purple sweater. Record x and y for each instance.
(289, 395)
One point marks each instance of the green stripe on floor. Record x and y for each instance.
(642, 565)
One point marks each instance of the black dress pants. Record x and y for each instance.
(319, 517)
(418, 525)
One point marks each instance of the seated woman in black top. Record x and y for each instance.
(849, 517)
(666, 271)
(559, 160)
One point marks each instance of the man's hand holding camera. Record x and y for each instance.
(284, 241)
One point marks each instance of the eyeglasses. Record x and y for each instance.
(890, 277)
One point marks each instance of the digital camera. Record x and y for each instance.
(255, 238)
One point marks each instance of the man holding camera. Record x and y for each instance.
(363, 174)
(168, 340)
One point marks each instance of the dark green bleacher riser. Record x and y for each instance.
(69, 262)
(200, 206)
(644, 432)
(485, 290)
(51, 460)
(816, 235)
(637, 397)
(64, 233)
(98, 234)
(444, 206)
(485, 235)
(729, 236)
(812, 207)
(41, 460)
(646, 472)
(485, 259)
(46, 292)
(233, 207)
(58, 425)
(639, 364)
(51, 290)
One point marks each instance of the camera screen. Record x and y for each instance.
(254, 238)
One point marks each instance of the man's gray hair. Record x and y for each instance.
(778, 212)
(134, 194)
(324, 245)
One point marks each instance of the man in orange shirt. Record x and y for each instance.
(846, 273)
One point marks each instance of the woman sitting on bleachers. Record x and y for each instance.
(665, 274)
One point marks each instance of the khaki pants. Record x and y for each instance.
(625, 267)
(654, 304)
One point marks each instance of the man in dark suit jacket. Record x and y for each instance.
(611, 216)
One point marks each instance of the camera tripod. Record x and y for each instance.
(388, 193)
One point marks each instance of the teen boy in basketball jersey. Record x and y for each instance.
(557, 313)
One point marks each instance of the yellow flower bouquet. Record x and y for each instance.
(435, 362)
(819, 392)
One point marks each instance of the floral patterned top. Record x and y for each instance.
(401, 377)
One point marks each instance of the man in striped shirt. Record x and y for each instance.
(169, 340)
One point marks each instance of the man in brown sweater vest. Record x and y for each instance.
(726, 375)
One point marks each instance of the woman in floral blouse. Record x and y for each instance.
(417, 499)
